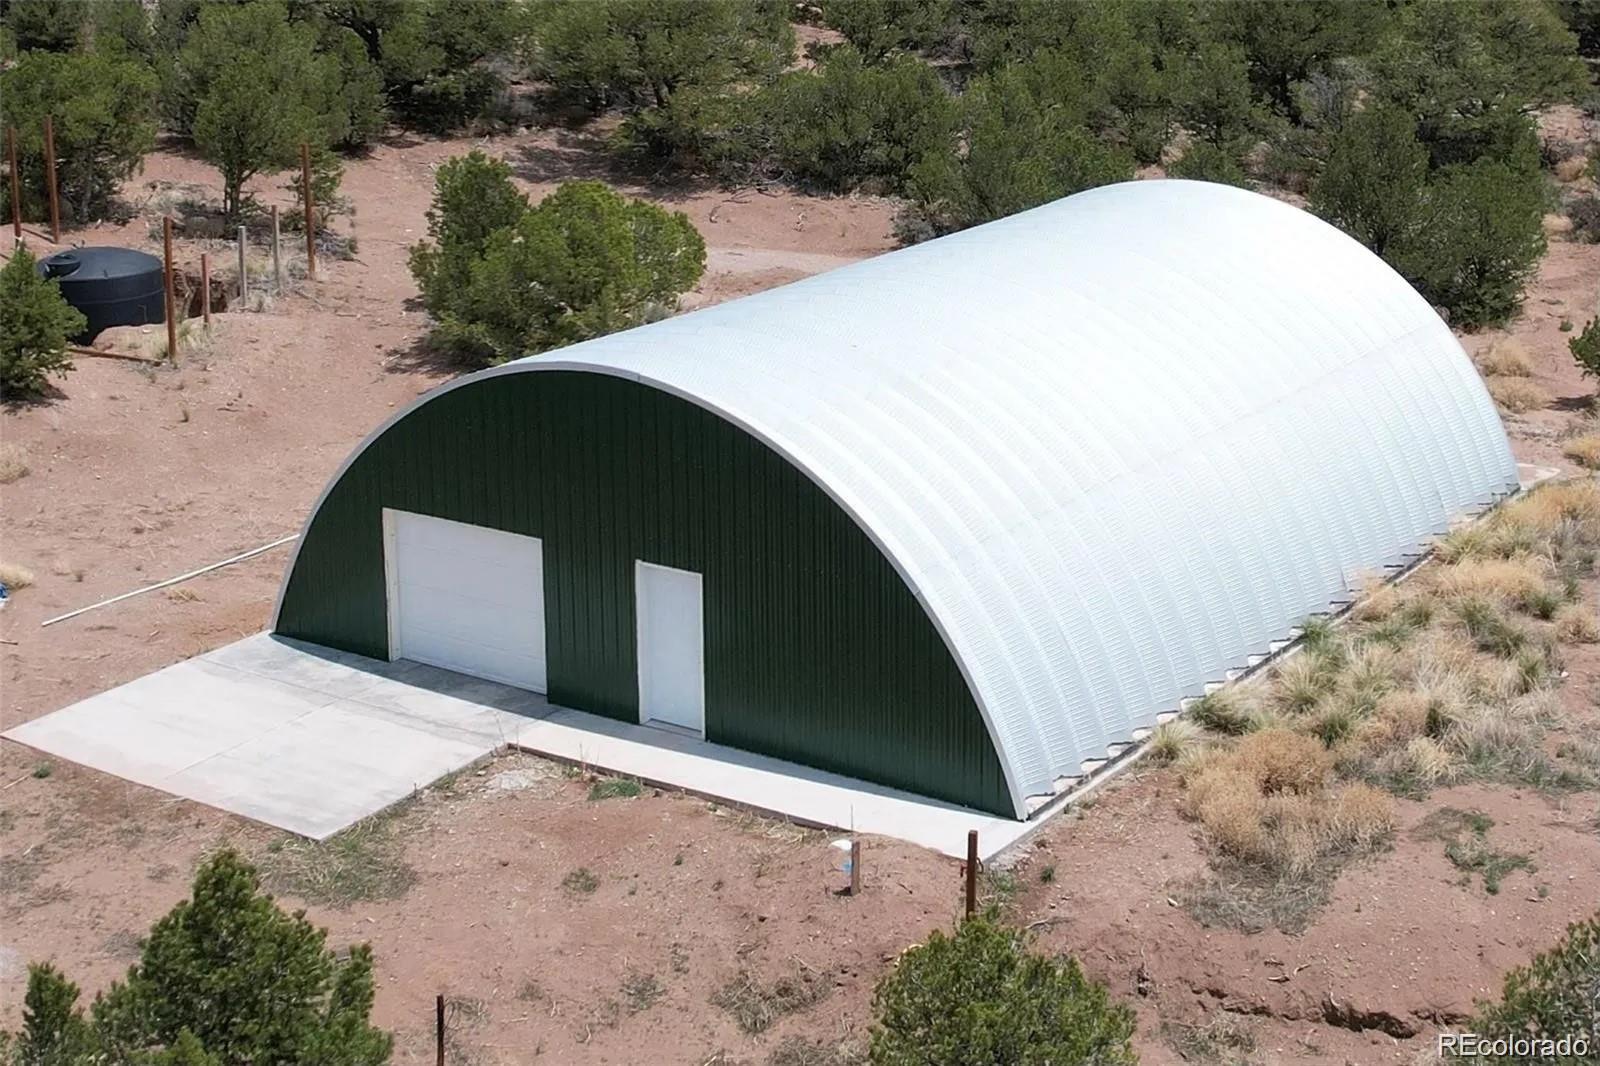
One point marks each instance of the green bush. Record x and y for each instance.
(103, 107)
(636, 53)
(1585, 348)
(1556, 995)
(1019, 149)
(1214, 99)
(352, 92)
(472, 198)
(503, 279)
(1288, 45)
(848, 123)
(981, 996)
(715, 131)
(1470, 73)
(44, 25)
(1372, 184)
(35, 323)
(225, 977)
(880, 28)
(1115, 67)
(421, 60)
(1480, 240)
(1468, 236)
(1204, 161)
(233, 59)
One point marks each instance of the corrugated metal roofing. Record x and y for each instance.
(1115, 445)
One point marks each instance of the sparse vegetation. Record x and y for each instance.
(641, 990)
(1225, 710)
(1466, 844)
(615, 788)
(1223, 1039)
(1577, 624)
(757, 1005)
(364, 863)
(581, 882)
(981, 996)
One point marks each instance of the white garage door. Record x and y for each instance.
(466, 598)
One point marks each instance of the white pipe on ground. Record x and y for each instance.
(170, 581)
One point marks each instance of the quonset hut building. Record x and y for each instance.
(953, 520)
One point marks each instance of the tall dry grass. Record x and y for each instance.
(1584, 450)
(1517, 395)
(1444, 678)
(1506, 357)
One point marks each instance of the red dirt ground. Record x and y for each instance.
(139, 474)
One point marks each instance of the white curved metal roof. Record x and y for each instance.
(1116, 444)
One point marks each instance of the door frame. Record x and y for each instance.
(391, 582)
(639, 566)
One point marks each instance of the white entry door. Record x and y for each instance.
(465, 598)
(672, 683)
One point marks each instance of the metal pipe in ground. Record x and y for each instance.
(244, 280)
(308, 202)
(438, 1028)
(166, 268)
(205, 289)
(277, 257)
(972, 872)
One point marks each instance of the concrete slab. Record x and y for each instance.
(312, 740)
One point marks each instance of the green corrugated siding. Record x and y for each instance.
(815, 649)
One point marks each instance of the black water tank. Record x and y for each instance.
(111, 286)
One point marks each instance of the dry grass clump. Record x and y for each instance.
(1514, 580)
(1517, 395)
(15, 577)
(1267, 801)
(13, 463)
(756, 1005)
(1173, 740)
(1299, 685)
(1227, 710)
(1507, 358)
(1571, 169)
(1577, 623)
(1584, 450)
(1546, 510)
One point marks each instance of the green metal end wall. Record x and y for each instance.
(816, 651)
